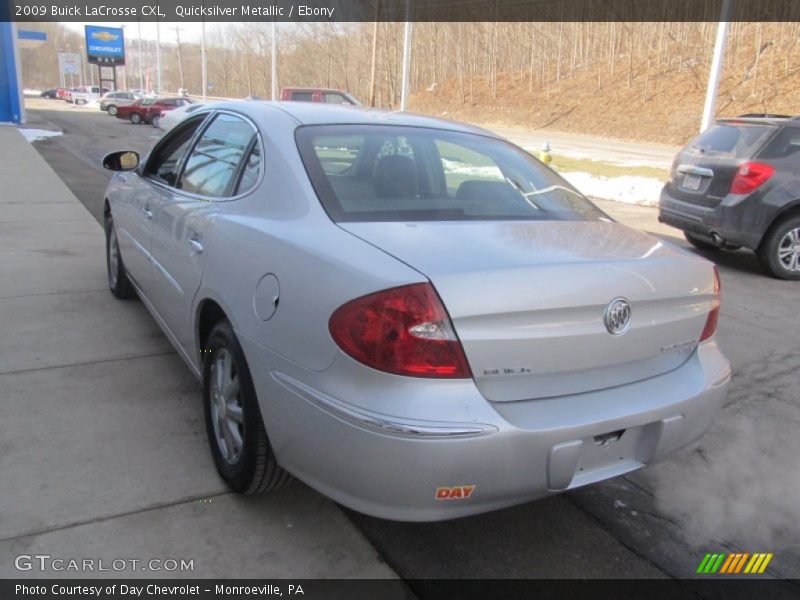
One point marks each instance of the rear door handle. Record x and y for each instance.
(196, 245)
(147, 212)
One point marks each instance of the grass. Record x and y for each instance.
(566, 164)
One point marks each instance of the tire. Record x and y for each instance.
(112, 110)
(779, 251)
(136, 118)
(155, 120)
(118, 281)
(700, 243)
(239, 446)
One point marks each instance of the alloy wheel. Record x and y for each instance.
(789, 250)
(227, 415)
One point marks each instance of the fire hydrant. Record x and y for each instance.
(544, 154)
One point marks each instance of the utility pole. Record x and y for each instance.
(372, 77)
(406, 57)
(83, 66)
(141, 72)
(180, 56)
(203, 59)
(274, 81)
(717, 64)
(158, 58)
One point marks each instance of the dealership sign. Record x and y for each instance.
(105, 45)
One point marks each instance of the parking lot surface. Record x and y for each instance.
(141, 447)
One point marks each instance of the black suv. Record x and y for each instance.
(737, 185)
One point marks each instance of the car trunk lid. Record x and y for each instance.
(527, 300)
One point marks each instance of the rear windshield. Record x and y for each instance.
(736, 140)
(395, 173)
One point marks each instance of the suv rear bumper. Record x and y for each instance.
(733, 219)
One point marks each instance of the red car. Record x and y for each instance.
(144, 111)
(329, 96)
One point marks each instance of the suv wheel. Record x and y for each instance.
(112, 109)
(780, 249)
(156, 120)
(699, 242)
(239, 444)
(118, 281)
(136, 118)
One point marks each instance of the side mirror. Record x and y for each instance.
(125, 160)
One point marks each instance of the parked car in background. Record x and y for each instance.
(87, 93)
(737, 185)
(68, 93)
(413, 316)
(328, 96)
(169, 119)
(50, 93)
(61, 93)
(143, 111)
(111, 101)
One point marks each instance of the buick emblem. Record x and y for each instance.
(617, 316)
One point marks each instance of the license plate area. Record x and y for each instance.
(691, 182)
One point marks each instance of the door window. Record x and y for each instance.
(212, 166)
(302, 96)
(165, 160)
(332, 98)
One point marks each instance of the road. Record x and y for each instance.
(737, 492)
(621, 152)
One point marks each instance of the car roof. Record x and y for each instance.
(312, 89)
(777, 121)
(317, 113)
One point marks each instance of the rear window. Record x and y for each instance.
(302, 96)
(393, 173)
(735, 140)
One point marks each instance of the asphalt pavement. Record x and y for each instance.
(736, 492)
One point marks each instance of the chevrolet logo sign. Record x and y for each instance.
(105, 36)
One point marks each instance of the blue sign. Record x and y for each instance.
(105, 45)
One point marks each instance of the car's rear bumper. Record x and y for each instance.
(484, 455)
(733, 219)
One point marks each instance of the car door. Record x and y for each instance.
(213, 175)
(138, 205)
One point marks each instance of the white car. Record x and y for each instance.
(86, 94)
(168, 119)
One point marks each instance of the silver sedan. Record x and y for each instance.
(413, 316)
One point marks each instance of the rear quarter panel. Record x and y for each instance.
(281, 229)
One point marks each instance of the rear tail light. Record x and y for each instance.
(713, 316)
(403, 330)
(750, 176)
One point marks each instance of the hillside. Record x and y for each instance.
(663, 106)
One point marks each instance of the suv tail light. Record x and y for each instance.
(750, 176)
(713, 316)
(403, 330)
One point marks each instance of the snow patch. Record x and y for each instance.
(629, 189)
(487, 172)
(35, 135)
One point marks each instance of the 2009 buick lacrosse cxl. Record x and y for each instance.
(412, 316)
